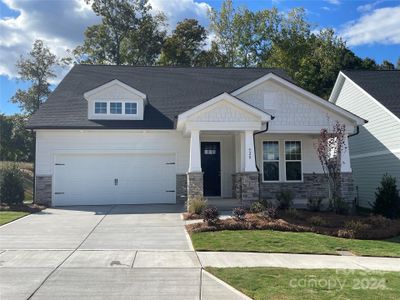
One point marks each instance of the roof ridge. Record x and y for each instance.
(178, 67)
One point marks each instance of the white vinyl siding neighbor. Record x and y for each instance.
(376, 149)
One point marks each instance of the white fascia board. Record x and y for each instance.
(303, 92)
(265, 117)
(336, 88)
(368, 95)
(111, 83)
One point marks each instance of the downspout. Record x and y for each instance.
(255, 152)
(356, 200)
(357, 132)
(34, 166)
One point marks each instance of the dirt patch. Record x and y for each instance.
(30, 208)
(346, 226)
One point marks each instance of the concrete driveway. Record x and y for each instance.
(104, 252)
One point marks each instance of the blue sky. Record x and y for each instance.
(371, 28)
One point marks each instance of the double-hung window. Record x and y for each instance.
(100, 107)
(130, 108)
(293, 160)
(271, 161)
(115, 108)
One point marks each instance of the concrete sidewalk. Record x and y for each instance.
(296, 261)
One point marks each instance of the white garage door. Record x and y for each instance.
(91, 179)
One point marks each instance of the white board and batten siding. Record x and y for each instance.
(106, 167)
(376, 149)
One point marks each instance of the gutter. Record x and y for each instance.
(254, 140)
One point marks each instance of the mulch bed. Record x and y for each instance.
(30, 208)
(346, 226)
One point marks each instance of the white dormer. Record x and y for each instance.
(115, 100)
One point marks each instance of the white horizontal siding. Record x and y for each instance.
(376, 149)
(382, 132)
(368, 172)
(50, 142)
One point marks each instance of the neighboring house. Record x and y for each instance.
(375, 96)
(121, 134)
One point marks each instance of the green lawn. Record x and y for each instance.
(291, 242)
(277, 283)
(8, 216)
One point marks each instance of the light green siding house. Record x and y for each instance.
(374, 96)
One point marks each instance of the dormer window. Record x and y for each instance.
(100, 108)
(130, 108)
(115, 100)
(116, 108)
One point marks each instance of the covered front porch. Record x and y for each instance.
(222, 162)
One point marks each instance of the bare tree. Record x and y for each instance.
(330, 146)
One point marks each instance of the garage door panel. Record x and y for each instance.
(85, 179)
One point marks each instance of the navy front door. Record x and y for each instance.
(211, 166)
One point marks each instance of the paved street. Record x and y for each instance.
(104, 252)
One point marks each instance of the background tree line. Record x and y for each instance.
(129, 34)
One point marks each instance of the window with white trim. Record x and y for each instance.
(271, 161)
(116, 108)
(130, 108)
(293, 161)
(100, 107)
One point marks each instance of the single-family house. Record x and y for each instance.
(126, 135)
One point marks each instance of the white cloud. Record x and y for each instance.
(334, 2)
(369, 6)
(380, 26)
(61, 25)
(177, 10)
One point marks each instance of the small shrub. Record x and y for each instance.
(387, 199)
(314, 203)
(346, 233)
(256, 207)
(339, 206)
(317, 221)
(285, 199)
(196, 205)
(378, 221)
(267, 203)
(211, 215)
(356, 226)
(239, 213)
(293, 213)
(270, 213)
(11, 185)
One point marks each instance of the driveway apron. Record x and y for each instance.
(104, 252)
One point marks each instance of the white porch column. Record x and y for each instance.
(249, 157)
(195, 159)
(345, 156)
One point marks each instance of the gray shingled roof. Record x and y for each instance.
(170, 91)
(384, 86)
